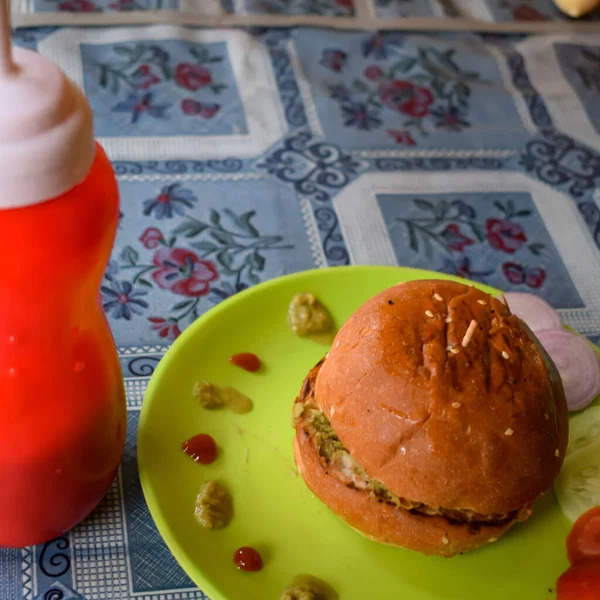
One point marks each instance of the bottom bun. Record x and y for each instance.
(384, 523)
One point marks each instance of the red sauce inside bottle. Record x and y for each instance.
(246, 360)
(201, 448)
(247, 559)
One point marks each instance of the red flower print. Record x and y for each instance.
(333, 59)
(373, 73)
(167, 329)
(193, 107)
(402, 137)
(77, 6)
(449, 119)
(151, 238)
(182, 272)
(527, 13)
(406, 97)
(518, 275)
(143, 77)
(345, 4)
(188, 106)
(534, 277)
(513, 272)
(192, 77)
(504, 235)
(454, 238)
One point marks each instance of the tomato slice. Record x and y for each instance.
(580, 582)
(583, 542)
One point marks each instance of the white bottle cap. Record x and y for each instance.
(46, 126)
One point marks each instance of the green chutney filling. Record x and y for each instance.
(341, 464)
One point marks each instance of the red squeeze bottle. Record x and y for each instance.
(62, 402)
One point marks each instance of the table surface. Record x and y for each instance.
(243, 154)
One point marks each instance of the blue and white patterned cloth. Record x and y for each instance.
(490, 15)
(244, 154)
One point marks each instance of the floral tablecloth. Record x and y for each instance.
(490, 15)
(243, 154)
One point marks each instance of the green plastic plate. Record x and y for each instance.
(274, 511)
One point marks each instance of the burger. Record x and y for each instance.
(435, 420)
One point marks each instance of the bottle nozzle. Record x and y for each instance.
(6, 62)
(46, 126)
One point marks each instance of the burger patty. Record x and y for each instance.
(341, 464)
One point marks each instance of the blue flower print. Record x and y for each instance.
(464, 209)
(380, 45)
(225, 291)
(449, 119)
(359, 115)
(172, 200)
(125, 5)
(111, 270)
(339, 92)
(333, 59)
(138, 105)
(158, 54)
(462, 268)
(122, 301)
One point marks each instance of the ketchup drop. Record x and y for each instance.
(202, 448)
(247, 559)
(246, 360)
